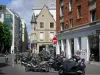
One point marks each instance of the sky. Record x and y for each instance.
(24, 7)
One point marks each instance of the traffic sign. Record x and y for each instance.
(54, 40)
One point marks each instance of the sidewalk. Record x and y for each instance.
(95, 63)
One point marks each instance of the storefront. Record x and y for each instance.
(78, 41)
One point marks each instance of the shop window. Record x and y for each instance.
(64, 41)
(59, 45)
(79, 39)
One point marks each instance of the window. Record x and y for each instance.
(70, 5)
(0, 15)
(34, 27)
(51, 25)
(41, 36)
(79, 12)
(93, 15)
(62, 11)
(42, 15)
(78, 1)
(71, 22)
(7, 16)
(41, 25)
(62, 26)
(51, 35)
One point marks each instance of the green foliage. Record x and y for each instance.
(5, 36)
(2, 7)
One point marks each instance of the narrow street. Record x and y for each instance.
(17, 69)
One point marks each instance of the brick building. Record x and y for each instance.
(78, 25)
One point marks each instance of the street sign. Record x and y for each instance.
(54, 40)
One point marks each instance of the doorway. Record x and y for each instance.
(94, 47)
(41, 48)
(72, 46)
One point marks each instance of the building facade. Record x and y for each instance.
(78, 25)
(14, 22)
(24, 36)
(43, 29)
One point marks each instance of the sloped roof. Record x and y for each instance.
(48, 11)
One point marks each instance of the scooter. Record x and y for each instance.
(31, 67)
(73, 66)
(37, 66)
(25, 60)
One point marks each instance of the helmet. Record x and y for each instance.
(78, 57)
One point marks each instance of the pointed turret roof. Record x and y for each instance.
(33, 20)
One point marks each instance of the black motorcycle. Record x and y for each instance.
(24, 60)
(44, 66)
(32, 66)
(73, 66)
(36, 65)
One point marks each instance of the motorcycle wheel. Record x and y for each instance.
(61, 72)
(47, 70)
(83, 73)
(26, 69)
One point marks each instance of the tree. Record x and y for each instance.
(5, 37)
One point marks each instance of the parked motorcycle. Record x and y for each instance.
(24, 60)
(74, 65)
(44, 66)
(32, 66)
(55, 62)
(36, 65)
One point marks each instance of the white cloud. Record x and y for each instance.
(24, 8)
